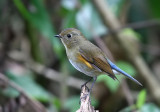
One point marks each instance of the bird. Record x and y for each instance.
(87, 57)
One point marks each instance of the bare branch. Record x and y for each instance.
(46, 72)
(85, 101)
(33, 104)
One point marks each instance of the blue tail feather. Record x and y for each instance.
(113, 66)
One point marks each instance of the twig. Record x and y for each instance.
(127, 93)
(56, 76)
(112, 23)
(34, 105)
(143, 24)
(46, 72)
(85, 101)
(136, 25)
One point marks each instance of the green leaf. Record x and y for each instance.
(113, 85)
(69, 20)
(84, 1)
(72, 103)
(154, 5)
(141, 98)
(125, 66)
(150, 107)
(10, 92)
(88, 14)
(128, 109)
(33, 89)
(52, 108)
(57, 103)
(131, 33)
(40, 19)
(94, 102)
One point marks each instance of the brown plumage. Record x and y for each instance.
(97, 61)
(86, 57)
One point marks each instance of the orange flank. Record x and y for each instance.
(81, 59)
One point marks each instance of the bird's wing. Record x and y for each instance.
(97, 60)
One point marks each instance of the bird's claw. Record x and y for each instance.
(84, 97)
(83, 85)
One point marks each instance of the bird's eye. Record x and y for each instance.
(69, 35)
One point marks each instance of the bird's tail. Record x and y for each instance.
(113, 66)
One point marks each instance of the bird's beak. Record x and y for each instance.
(58, 36)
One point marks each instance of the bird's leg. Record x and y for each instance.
(94, 80)
(86, 82)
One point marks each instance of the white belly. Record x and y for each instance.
(84, 69)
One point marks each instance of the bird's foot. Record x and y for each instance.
(83, 85)
(84, 97)
(86, 83)
(85, 93)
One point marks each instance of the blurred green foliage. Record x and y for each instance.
(112, 84)
(10, 92)
(116, 5)
(150, 107)
(56, 103)
(127, 67)
(131, 33)
(88, 14)
(75, 14)
(33, 89)
(38, 16)
(141, 106)
(73, 103)
(154, 6)
(141, 99)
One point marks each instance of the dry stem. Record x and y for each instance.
(85, 101)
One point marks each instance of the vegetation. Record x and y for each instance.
(35, 73)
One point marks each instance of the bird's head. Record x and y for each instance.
(71, 37)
